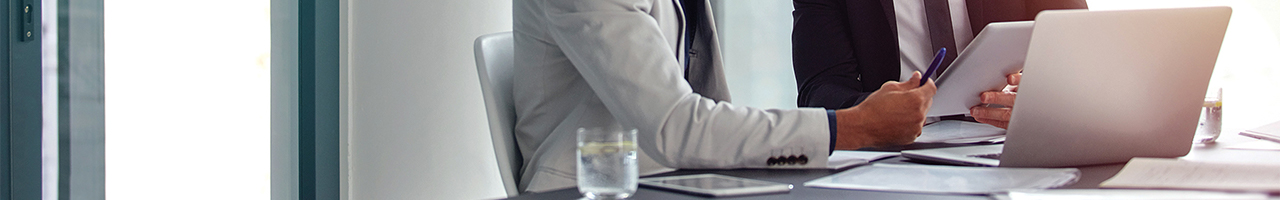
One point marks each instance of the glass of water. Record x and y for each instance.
(607, 162)
(1210, 119)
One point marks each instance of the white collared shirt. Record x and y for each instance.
(915, 49)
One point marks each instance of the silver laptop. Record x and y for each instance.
(1105, 86)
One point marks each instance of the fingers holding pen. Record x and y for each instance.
(910, 83)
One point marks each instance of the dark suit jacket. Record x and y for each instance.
(845, 49)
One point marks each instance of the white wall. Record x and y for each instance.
(417, 126)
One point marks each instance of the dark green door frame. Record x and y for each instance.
(318, 99)
(305, 42)
(20, 120)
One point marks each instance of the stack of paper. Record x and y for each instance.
(960, 132)
(946, 179)
(843, 159)
(1179, 174)
(1269, 132)
(1256, 145)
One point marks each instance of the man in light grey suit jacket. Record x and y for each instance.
(654, 65)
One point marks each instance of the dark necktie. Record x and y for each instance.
(938, 14)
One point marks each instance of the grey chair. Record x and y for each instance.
(494, 58)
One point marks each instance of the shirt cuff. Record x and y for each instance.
(831, 123)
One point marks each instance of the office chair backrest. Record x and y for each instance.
(494, 55)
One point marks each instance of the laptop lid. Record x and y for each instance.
(1106, 86)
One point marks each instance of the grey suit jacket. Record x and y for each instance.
(589, 63)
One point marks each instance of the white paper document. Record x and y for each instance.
(1113, 194)
(841, 159)
(1269, 132)
(946, 179)
(1181, 174)
(1257, 145)
(960, 132)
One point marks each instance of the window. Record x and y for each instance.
(188, 98)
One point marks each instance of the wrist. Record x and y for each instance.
(849, 134)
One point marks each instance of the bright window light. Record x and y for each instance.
(187, 99)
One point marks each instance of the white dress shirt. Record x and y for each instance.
(914, 45)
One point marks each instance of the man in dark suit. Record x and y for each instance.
(843, 50)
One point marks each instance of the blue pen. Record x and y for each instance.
(937, 61)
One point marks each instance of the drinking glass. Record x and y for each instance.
(607, 162)
(1210, 119)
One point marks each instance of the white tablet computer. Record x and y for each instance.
(998, 51)
(715, 185)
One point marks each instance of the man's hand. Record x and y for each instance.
(998, 116)
(892, 115)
